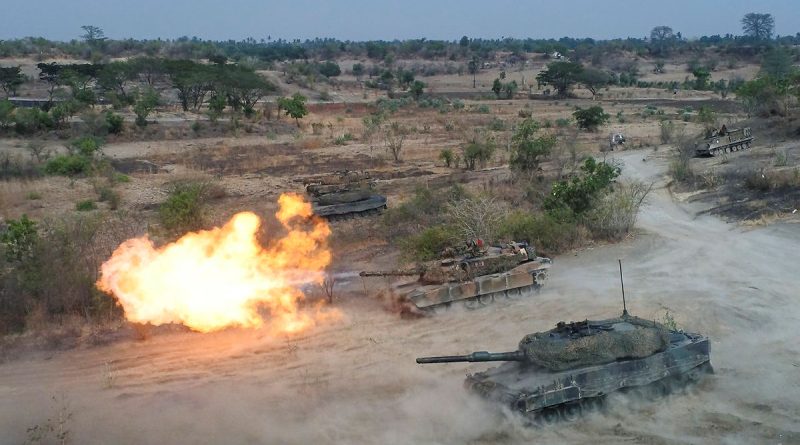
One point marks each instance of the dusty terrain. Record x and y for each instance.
(355, 380)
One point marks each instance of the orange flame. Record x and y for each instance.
(213, 279)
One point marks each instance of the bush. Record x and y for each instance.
(28, 121)
(578, 195)
(107, 194)
(477, 153)
(546, 233)
(563, 122)
(483, 109)
(68, 165)
(615, 214)
(115, 123)
(429, 244)
(590, 118)
(447, 156)
(667, 129)
(83, 206)
(183, 209)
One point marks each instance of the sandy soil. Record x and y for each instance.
(355, 381)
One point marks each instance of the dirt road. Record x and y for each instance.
(355, 381)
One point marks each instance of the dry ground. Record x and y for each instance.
(355, 381)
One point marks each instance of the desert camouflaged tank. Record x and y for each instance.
(475, 278)
(344, 194)
(560, 372)
(725, 140)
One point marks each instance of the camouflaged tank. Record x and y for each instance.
(475, 278)
(725, 140)
(343, 195)
(558, 373)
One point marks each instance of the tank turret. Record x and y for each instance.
(344, 194)
(473, 274)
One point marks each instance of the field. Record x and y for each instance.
(716, 254)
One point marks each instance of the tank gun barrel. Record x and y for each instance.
(480, 356)
(390, 273)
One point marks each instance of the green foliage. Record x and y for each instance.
(497, 124)
(563, 122)
(509, 88)
(483, 109)
(86, 205)
(216, 105)
(547, 233)
(416, 89)
(594, 79)
(183, 209)
(478, 152)
(19, 238)
(701, 75)
(107, 194)
(28, 121)
(528, 150)
(146, 102)
(115, 123)
(590, 118)
(6, 114)
(329, 69)
(10, 79)
(294, 106)
(343, 139)
(429, 243)
(358, 70)
(68, 165)
(578, 195)
(85, 146)
(707, 116)
(561, 76)
(447, 156)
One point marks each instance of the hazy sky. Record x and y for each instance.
(387, 20)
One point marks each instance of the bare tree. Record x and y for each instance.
(477, 218)
(394, 135)
(327, 285)
(758, 26)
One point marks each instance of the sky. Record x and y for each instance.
(386, 19)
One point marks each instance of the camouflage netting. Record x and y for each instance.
(559, 354)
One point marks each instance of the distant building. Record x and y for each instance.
(29, 102)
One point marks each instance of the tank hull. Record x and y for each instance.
(372, 204)
(731, 141)
(531, 390)
(518, 282)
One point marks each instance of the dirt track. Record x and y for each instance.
(355, 381)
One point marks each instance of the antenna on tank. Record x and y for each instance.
(622, 284)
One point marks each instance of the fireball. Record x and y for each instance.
(223, 277)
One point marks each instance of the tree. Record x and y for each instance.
(146, 102)
(405, 78)
(417, 88)
(6, 113)
(510, 88)
(758, 26)
(478, 152)
(242, 86)
(528, 150)
(473, 66)
(192, 80)
(330, 69)
(777, 63)
(661, 38)
(294, 106)
(113, 78)
(464, 42)
(10, 79)
(497, 87)
(560, 75)
(358, 71)
(394, 134)
(701, 75)
(578, 195)
(93, 35)
(594, 79)
(590, 118)
(50, 73)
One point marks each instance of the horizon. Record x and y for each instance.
(359, 20)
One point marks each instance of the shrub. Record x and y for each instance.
(667, 129)
(86, 205)
(446, 155)
(590, 118)
(578, 195)
(115, 123)
(483, 109)
(429, 244)
(615, 214)
(563, 122)
(497, 124)
(546, 233)
(528, 150)
(19, 238)
(30, 120)
(107, 194)
(68, 165)
(477, 153)
(183, 209)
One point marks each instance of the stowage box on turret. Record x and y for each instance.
(558, 372)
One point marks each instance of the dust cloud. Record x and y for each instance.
(355, 381)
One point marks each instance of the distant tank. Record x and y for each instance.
(473, 276)
(560, 372)
(344, 194)
(725, 140)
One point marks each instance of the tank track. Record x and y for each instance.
(353, 215)
(482, 301)
(744, 145)
(660, 388)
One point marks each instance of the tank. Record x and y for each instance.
(344, 194)
(473, 276)
(725, 140)
(560, 372)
